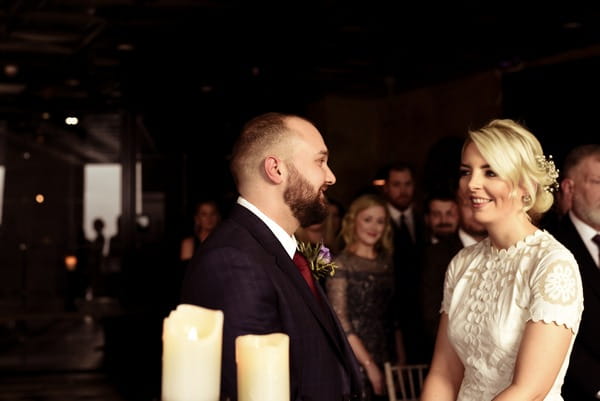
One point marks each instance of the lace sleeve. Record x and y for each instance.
(336, 292)
(556, 291)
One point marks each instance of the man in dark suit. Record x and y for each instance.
(578, 231)
(245, 269)
(409, 239)
(441, 216)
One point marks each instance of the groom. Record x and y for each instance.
(245, 268)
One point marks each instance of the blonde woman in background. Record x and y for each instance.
(512, 302)
(362, 289)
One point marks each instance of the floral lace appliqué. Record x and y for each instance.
(559, 285)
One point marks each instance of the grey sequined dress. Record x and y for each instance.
(361, 294)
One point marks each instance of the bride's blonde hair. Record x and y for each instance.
(516, 156)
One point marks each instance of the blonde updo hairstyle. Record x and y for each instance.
(512, 153)
(384, 244)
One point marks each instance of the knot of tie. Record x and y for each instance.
(404, 238)
(596, 239)
(302, 264)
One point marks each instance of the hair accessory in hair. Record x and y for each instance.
(547, 164)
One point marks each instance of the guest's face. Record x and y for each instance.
(489, 195)
(586, 191)
(207, 216)
(369, 225)
(442, 217)
(334, 215)
(309, 175)
(400, 188)
(314, 233)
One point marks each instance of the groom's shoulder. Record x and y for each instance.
(230, 233)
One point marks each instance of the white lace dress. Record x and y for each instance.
(489, 296)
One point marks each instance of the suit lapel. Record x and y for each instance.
(321, 312)
(269, 242)
(589, 271)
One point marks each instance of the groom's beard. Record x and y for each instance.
(308, 207)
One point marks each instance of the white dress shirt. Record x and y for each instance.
(586, 233)
(288, 242)
(408, 218)
(465, 238)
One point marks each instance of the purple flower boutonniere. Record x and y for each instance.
(319, 259)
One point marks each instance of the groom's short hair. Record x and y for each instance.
(258, 137)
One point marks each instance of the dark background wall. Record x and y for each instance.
(558, 102)
(381, 85)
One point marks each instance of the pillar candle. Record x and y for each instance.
(263, 371)
(191, 360)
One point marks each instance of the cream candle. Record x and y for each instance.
(263, 371)
(191, 360)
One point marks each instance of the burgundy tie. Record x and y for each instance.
(596, 239)
(302, 264)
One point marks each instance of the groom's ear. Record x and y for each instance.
(273, 169)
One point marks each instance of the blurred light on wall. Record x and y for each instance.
(71, 262)
(71, 120)
(11, 70)
(39, 198)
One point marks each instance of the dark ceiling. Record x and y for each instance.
(186, 64)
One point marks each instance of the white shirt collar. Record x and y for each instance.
(465, 238)
(408, 217)
(288, 242)
(586, 233)
(395, 213)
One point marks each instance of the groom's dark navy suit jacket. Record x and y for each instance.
(243, 270)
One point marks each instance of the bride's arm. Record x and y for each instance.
(446, 370)
(543, 349)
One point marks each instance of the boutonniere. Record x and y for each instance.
(319, 259)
